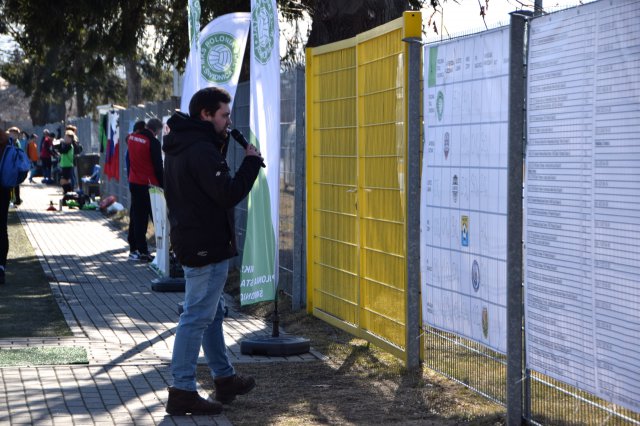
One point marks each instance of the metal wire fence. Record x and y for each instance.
(292, 106)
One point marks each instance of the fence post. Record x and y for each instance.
(515, 306)
(123, 122)
(299, 285)
(412, 256)
(537, 11)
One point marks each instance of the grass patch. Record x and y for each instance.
(43, 356)
(359, 384)
(27, 306)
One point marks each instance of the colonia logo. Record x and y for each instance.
(262, 30)
(219, 54)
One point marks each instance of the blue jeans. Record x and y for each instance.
(32, 171)
(201, 325)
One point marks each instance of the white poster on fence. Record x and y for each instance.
(582, 192)
(463, 216)
(217, 60)
(161, 229)
(259, 272)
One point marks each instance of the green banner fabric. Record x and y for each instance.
(259, 271)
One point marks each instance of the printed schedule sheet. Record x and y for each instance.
(463, 216)
(582, 199)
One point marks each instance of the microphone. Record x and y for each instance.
(239, 137)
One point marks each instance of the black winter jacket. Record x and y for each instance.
(200, 192)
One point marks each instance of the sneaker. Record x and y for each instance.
(182, 402)
(228, 387)
(134, 255)
(146, 258)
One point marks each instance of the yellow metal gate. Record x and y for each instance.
(356, 157)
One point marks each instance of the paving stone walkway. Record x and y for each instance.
(126, 328)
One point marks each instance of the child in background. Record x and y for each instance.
(32, 153)
(66, 161)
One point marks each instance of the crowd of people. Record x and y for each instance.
(201, 194)
(53, 158)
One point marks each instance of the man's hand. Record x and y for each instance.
(252, 151)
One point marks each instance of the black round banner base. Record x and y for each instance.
(165, 285)
(275, 346)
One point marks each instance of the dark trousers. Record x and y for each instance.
(46, 168)
(139, 215)
(4, 214)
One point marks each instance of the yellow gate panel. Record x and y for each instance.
(332, 174)
(381, 156)
(356, 199)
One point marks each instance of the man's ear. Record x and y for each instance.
(204, 114)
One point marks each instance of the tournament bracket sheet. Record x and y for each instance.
(463, 208)
(582, 205)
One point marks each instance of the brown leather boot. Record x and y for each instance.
(182, 402)
(228, 387)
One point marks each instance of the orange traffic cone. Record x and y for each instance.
(51, 207)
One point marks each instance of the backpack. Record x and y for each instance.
(14, 166)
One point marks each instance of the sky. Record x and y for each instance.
(464, 17)
(461, 17)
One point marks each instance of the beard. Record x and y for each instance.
(223, 133)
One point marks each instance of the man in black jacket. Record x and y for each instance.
(201, 195)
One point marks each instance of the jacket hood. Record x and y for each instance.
(186, 131)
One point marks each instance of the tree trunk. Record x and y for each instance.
(80, 103)
(134, 82)
(43, 112)
(335, 20)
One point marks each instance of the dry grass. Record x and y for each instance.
(27, 291)
(357, 384)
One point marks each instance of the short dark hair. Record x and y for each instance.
(154, 124)
(208, 99)
(138, 125)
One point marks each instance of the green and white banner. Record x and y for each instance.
(193, 10)
(161, 227)
(259, 272)
(216, 58)
(193, 26)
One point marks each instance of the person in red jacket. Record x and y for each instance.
(145, 168)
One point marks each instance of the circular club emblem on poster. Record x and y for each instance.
(454, 188)
(219, 54)
(440, 105)
(475, 275)
(262, 30)
(485, 322)
(446, 145)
